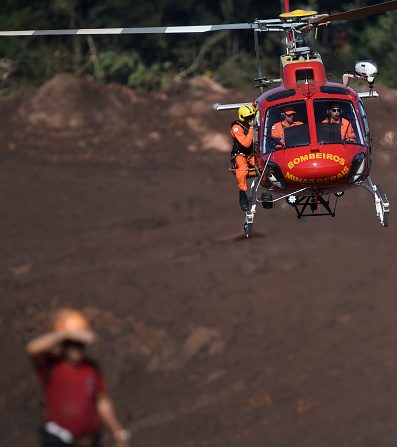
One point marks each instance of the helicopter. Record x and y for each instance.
(317, 160)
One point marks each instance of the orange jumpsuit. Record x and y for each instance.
(346, 128)
(278, 129)
(242, 152)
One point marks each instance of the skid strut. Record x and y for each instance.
(315, 205)
(250, 214)
(249, 221)
(382, 205)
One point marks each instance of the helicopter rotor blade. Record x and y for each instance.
(148, 30)
(358, 13)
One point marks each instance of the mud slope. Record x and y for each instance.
(119, 204)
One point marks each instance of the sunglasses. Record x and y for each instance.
(336, 110)
(290, 114)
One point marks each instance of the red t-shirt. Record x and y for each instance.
(70, 393)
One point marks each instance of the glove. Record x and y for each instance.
(122, 438)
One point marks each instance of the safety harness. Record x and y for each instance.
(237, 147)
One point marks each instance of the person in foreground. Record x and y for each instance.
(75, 399)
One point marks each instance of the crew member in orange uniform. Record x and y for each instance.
(288, 120)
(346, 128)
(242, 152)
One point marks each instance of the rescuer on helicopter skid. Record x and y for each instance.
(242, 155)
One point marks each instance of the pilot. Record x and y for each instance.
(242, 152)
(334, 116)
(288, 116)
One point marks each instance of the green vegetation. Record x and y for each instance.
(146, 62)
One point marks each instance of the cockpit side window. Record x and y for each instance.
(286, 126)
(337, 122)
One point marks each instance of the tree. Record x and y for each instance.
(150, 61)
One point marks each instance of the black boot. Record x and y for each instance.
(244, 202)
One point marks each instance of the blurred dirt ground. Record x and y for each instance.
(121, 205)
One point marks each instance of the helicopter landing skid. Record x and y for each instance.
(382, 205)
(249, 221)
(310, 206)
(250, 214)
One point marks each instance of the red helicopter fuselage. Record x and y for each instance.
(318, 154)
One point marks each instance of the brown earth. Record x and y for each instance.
(121, 205)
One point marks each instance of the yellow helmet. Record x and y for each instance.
(69, 320)
(246, 111)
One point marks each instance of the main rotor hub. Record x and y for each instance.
(293, 23)
(296, 14)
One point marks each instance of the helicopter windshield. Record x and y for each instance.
(336, 122)
(286, 126)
